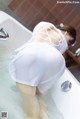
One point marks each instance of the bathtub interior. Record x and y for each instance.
(10, 99)
(60, 104)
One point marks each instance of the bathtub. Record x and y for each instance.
(68, 102)
(62, 104)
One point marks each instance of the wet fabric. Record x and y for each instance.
(38, 64)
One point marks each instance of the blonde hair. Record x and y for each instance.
(44, 33)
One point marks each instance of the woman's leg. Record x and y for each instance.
(43, 106)
(30, 101)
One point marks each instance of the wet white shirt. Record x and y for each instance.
(38, 64)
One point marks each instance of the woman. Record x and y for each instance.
(39, 64)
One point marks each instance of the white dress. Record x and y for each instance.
(38, 64)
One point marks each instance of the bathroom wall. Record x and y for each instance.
(31, 11)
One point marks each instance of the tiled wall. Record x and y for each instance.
(33, 11)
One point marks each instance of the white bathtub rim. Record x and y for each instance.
(4, 16)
